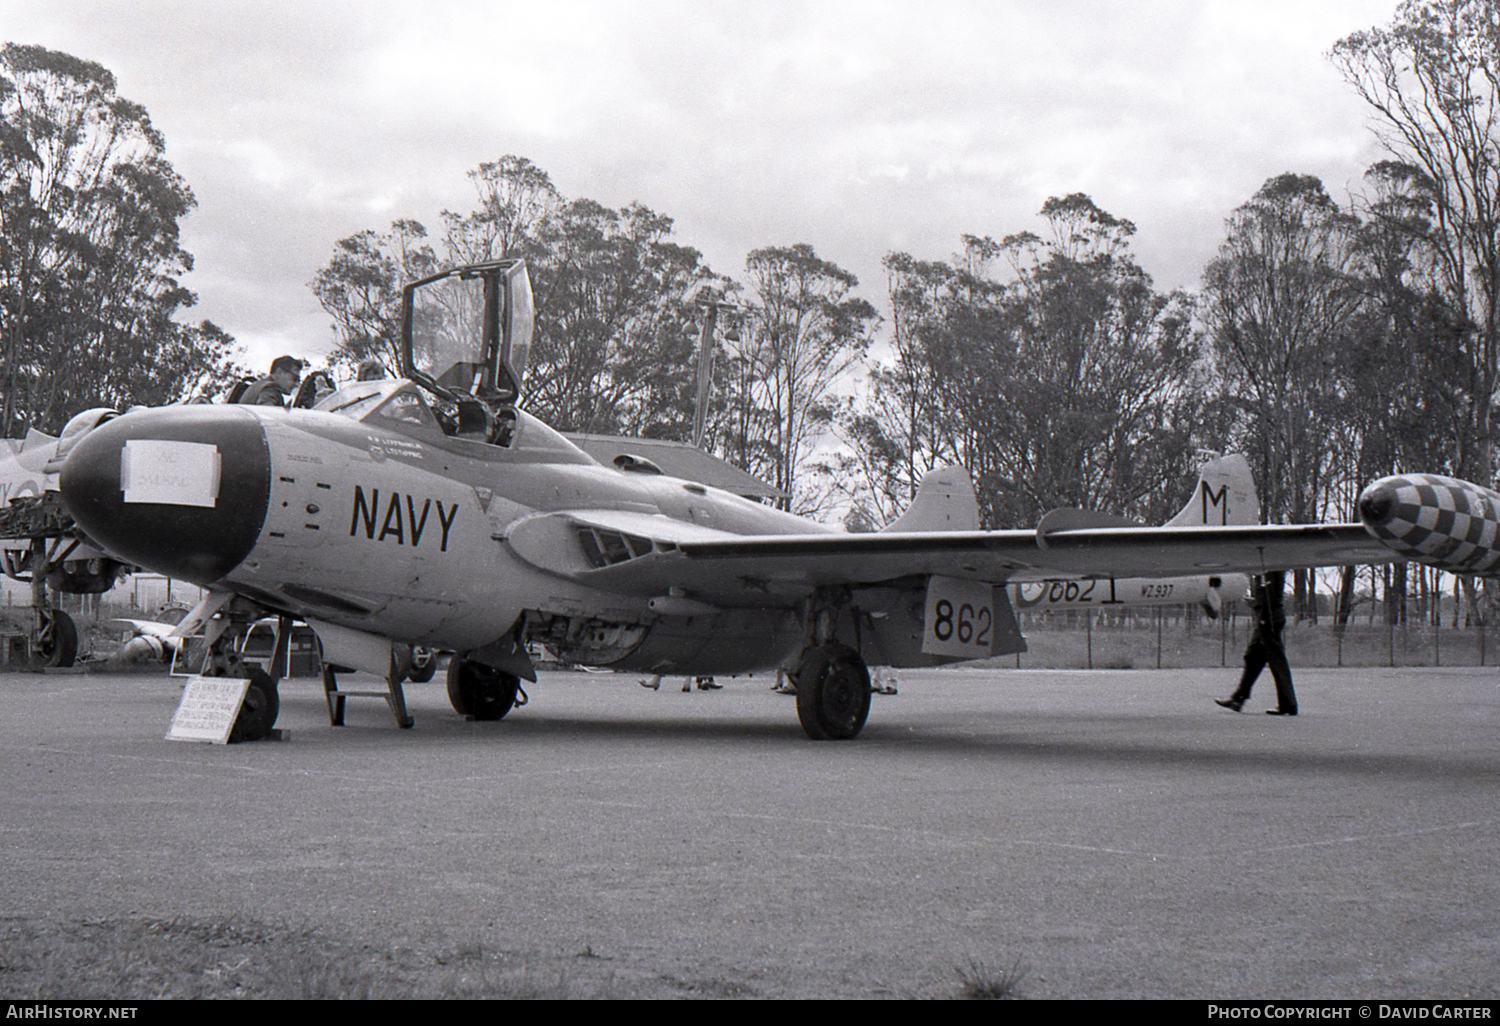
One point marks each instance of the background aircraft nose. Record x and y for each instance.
(1377, 503)
(180, 490)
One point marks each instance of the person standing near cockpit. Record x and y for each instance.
(274, 388)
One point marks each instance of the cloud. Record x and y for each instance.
(856, 127)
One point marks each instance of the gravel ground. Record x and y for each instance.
(1103, 834)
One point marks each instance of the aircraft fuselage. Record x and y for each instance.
(404, 533)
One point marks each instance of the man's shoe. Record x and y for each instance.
(1232, 704)
(1281, 712)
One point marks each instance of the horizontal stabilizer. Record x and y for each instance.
(1065, 519)
(945, 502)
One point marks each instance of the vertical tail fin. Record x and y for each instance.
(945, 502)
(1223, 497)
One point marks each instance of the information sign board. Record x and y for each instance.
(208, 709)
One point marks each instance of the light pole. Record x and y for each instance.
(713, 301)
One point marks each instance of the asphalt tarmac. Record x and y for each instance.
(1113, 833)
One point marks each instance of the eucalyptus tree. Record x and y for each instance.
(907, 420)
(1102, 406)
(1049, 366)
(804, 331)
(360, 287)
(1280, 301)
(90, 255)
(615, 323)
(1432, 79)
(616, 326)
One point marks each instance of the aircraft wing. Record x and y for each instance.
(1000, 556)
(714, 565)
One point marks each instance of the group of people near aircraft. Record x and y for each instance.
(283, 385)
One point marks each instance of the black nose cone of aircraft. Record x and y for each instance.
(180, 490)
(1377, 504)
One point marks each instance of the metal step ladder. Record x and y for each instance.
(393, 693)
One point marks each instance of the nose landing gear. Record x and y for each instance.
(259, 710)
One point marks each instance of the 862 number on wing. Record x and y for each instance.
(960, 618)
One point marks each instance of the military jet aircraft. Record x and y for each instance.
(38, 545)
(432, 510)
(21, 462)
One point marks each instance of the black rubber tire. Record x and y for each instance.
(57, 642)
(480, 691)
(423, 665)
(261, 707)
(833, 693)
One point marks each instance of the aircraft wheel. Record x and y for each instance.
(480, 691)
(423, 665)
(258, 713)
(833, 693)
(57, 640)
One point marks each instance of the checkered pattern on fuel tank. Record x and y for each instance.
(1442, 520)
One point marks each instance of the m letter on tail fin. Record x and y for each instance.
(945, 502)
(1223, 497)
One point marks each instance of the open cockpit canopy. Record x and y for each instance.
(466, 332)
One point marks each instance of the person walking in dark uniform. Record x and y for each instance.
(1265, 648)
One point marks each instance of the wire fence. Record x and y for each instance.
(137, 594)
(1172, 638)
(1167, 637)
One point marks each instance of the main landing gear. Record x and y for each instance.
(833, 691)
(56, 639)
(482, 692)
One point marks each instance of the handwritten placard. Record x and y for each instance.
(208, 709)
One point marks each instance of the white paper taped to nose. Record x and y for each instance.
(170, 473)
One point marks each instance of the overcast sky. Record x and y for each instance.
(858, 128)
